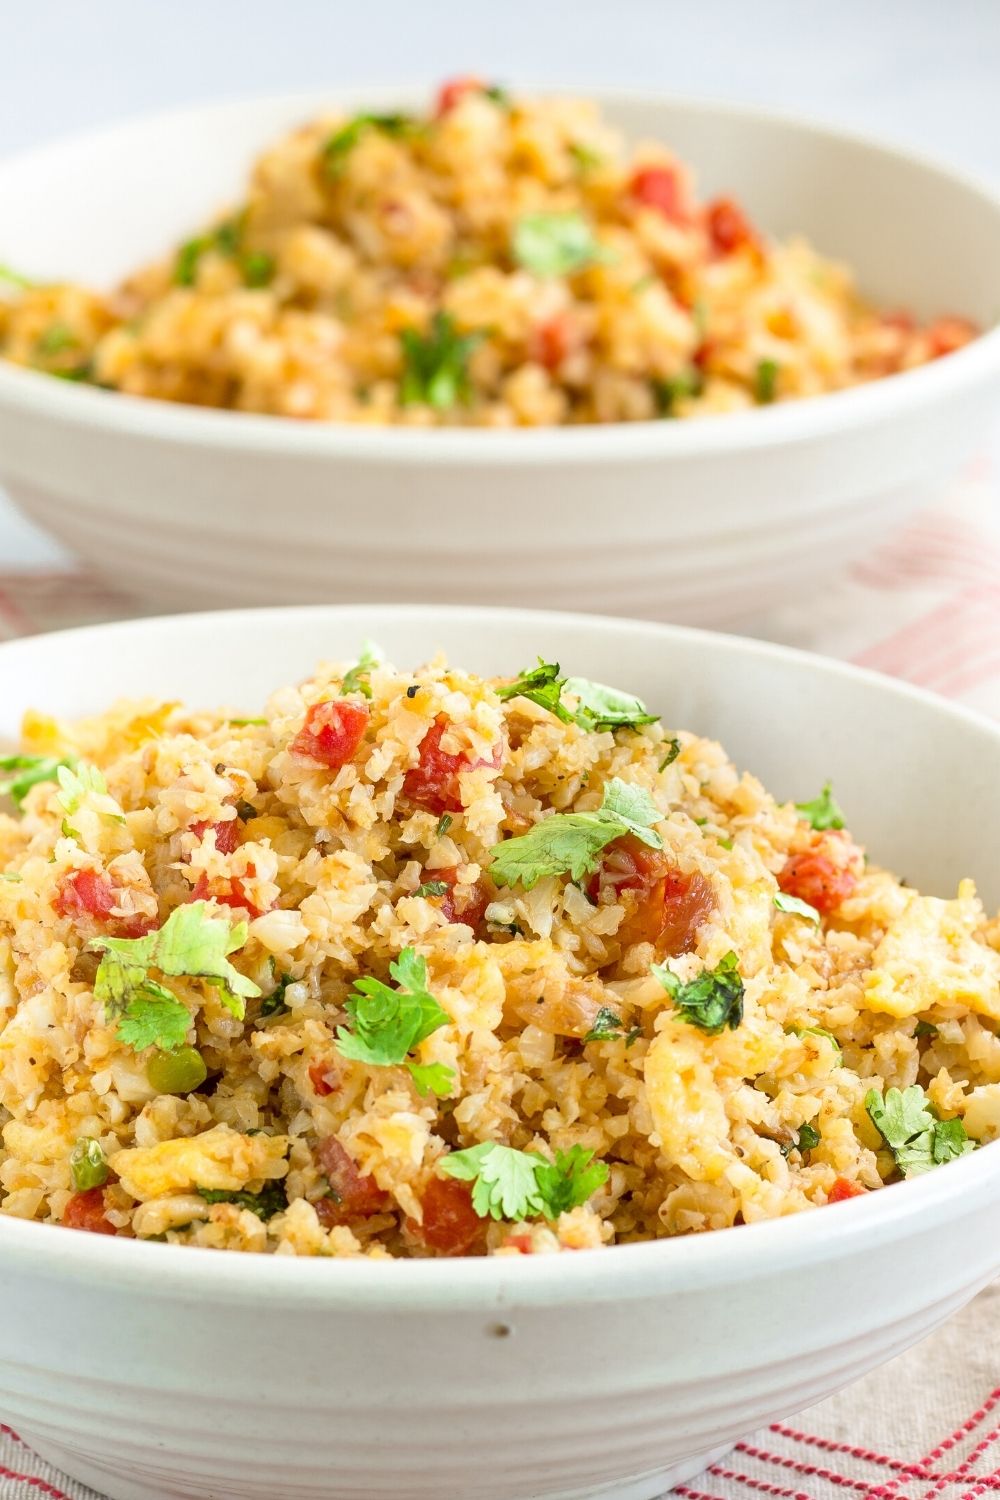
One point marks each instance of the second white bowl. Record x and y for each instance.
(706, 521)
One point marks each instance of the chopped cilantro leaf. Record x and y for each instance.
(765, 381)
(499, 96)
(272, 1199)
(822, 812)
(192, 942)
(671, 755)
(608, 1026)
(925, 1028)
(444, 823)
(556, 244)
(571, 842)
(598, 707)
(435, 364)
(242, 723)
(274, 1003)
(188, 257)
(31, 770)
(711, 1001)
(258, 268)
(432, 1078)
(510, 1184)
(356, 680)
(668, 390)
(432, 888)
(76, 783)
(343, 141)
(807, 1138)
(386, 1024)
(912, 1131)
(795, 906)
(14, 278)
(12, 876)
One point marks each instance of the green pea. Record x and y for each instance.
(176, 1072)
(87, 1164)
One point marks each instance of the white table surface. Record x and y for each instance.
(923, 72)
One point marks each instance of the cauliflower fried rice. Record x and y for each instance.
(498, 262)
(424, 964)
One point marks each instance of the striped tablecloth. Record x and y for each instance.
(925, 607)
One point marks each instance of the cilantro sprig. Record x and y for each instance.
(796, 907)
(807, 1138)
(910, 1127)
(436, 364)
(515, 1185)
(823, 812)
(609, 1027)
(193, 943)
(556, 244)
(598, 707)
(28, 771)
(572, 842)
(388, 1023)
(712, 1000)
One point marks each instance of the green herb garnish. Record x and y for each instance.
(192, 943)
(671, 755)
(432, 888)
(807, 1138)
(765, 382)
(797, 907)
(585, 157)
(712, 1001)
(274, 1003)
(571, 842)
(820, 1031)
(356, 680)
(823, 812)
(514, 1185)
(609, 1027)
(56, 339)
(925, 1028)
(258, 268)
(668, 390)
(31, 770)
(272, 1199)
(911, 1129)
(88, 1165)
(435, 364)
(598, 707)
(388, 1023)
(444, 823)
(556, 244)
(343, 141)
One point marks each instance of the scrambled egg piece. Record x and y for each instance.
(219, 1158)
(929, 957)
(689, 1115)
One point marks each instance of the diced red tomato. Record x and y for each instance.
(451, 1225)
(520, 1243)
(553, 341)
(318, 1077)
(826, 873)
(433, 781)
(354, 1194)
(729, 229)
(90, 893)
(227, 834)
(843, 1189)
(86, 1211)
(228, 890)
(899, 318)
(454, 89)
(664, 905)
(332, 732)
(945, 335)
(660, 188)
(462, 903)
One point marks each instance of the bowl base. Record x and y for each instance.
(117, 1486)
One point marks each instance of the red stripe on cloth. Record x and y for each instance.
(782, 1461)
(886, 1491)
(915, 651)
(35, 1482)
(964, 1470)
(830, 1446)
(9, 1432)
(763, 1486)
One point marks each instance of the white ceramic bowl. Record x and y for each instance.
(702, 522)
(154, 1372)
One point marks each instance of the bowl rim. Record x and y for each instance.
(781, 424)
(490, 1284)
